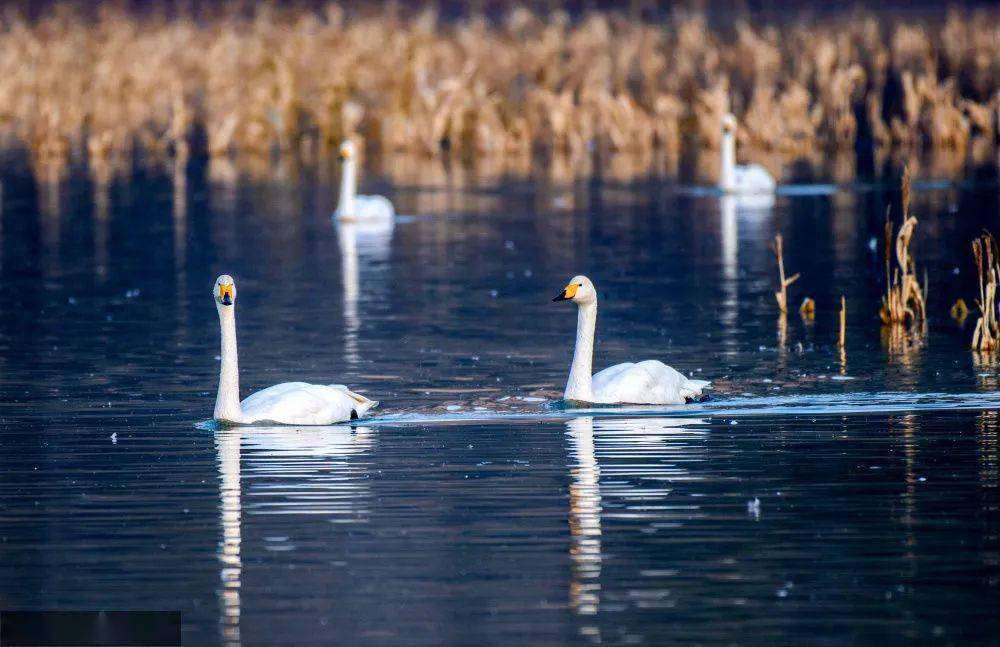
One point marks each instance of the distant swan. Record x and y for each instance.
(351, 205)
(648, 382)
(750, 178)
(291, 403)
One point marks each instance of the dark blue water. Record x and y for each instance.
(816, 496)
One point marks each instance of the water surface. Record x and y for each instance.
(850, 496)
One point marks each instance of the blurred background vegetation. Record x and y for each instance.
(102, 84)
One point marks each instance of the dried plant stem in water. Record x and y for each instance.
(781, 296)
(842, 340)
(986, 336)
(904, 299)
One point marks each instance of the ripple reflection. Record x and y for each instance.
(642, 457)
(287, 470)
(360, 244)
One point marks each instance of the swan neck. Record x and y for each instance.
(348, 187)
(579, 386)
(227, 401)
(727, 173)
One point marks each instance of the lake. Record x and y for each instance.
(815, 496)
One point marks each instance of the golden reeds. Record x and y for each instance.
(290, 79)
(904, 299)
(986, 336)
(781, 295)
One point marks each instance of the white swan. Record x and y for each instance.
(751, 178)
(352, 206)
(291, 403)
(648, 382)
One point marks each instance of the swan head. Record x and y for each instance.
(225, 291)
(580, 290)
(728, 123)
(348, 151)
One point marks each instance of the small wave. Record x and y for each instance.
(784, 405)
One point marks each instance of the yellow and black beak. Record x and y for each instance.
(226, 294)
(568, 292)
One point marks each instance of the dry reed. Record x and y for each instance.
(231, 79)
(904, 299)
(808, 309)
(842, 337)
(781, 295)
(986, 336)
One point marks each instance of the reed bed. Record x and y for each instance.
(232, 80)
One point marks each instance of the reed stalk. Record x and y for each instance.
(781, 295)
(986, 336)
(842, 337)
(904, 300)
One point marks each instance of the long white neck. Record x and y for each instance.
(348, 187)
(727, 172)
(227, 401)
(579, 385)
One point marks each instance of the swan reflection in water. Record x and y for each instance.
(287, 470)
(751, 211)
(362, 245)
(635, 451)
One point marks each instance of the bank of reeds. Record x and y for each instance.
(232, 80)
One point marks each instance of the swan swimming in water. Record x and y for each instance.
(647, 382)
(352, 206)
(291, 403)
(750, 178)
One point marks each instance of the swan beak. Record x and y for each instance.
(226, 295)
(568, 293)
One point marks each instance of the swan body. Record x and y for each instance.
(740, 179)
(354, 207)
(646, 382)
(291, 403)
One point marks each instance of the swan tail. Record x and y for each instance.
(362, 405)
(691, 389)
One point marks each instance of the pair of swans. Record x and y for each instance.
(300, 403)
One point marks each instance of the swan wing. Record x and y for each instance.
(299, 403)
(753, 178)
(647, 382)
(373, 207)
(602, 379)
